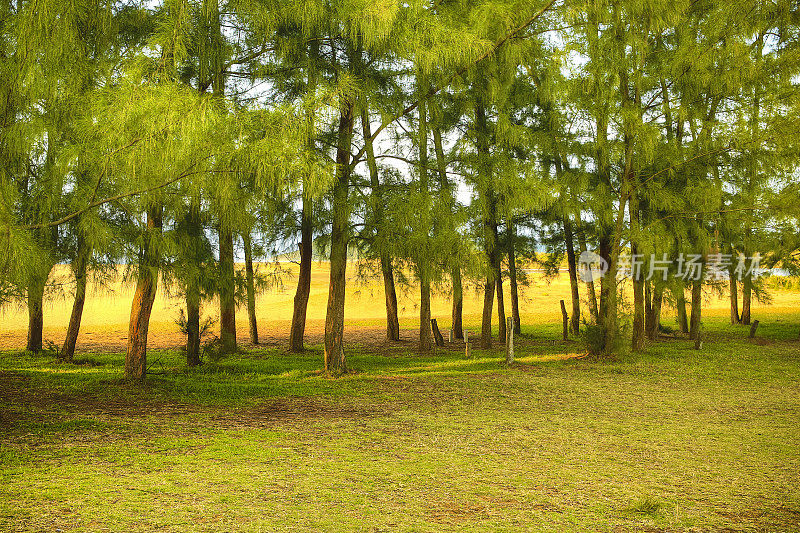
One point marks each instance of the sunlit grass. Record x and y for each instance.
(671, 440)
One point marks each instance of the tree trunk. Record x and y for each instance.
(35, 315)
(654, 317)
(489, 221)
(251, 289)
(425, 333)
(227, 292)
(437, 335)
(298, 328)
(486, 319)
(455, 272)
(143, 298)
(510, 342)
(335, 362)
(195, 231)
(590, 289)
(572, 265)
(512, 275)
(648, 305)
(390, 295)
(638, 334)
(193, 325)
(422, 259)
(734, 289)
(501, 307)
(458, 303)
(753, 178)
(697, 307)
(607, 311)
(747, 295)
(680, 302)
(79, 268)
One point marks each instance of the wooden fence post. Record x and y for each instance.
(467, 348)
(753, 329)
(565, 318)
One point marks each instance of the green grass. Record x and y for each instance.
(670, 440)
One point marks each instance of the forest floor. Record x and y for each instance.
(671, 440)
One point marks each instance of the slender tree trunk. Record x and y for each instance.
(390, 295)
(638, 334)
(648, 305)
(572, 265)
(607, 310)
(654, 315)
(251, 288)
(697, 303)
(425, 333)
(501, 308)
(227, 292)
(212, 71)
(195, 231)
(455, 271)
(193, 325)
(458, 303)
(512, 275)
(747, 295)
(590, 289)
(423, 266)
(489, 222)
(697, 307)
(335, 362)
(298, 328)
(79, 268)
(753, 178)
(734, 289)
(631, 102)
(35, 315)
(680, 299)
(486, 320)
(143, 298)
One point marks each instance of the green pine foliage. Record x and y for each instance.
(438, 138)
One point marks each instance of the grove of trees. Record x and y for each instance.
(444, 143)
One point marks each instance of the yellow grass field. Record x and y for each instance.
(105, 319)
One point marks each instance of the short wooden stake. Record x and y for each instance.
(450, 335)
(467, 348)
(565, 318)
(510, 341)
(753, 329)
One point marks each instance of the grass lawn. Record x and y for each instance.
(672, 440)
